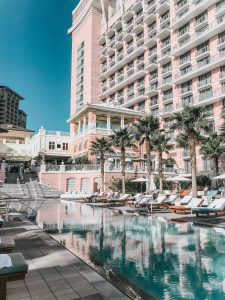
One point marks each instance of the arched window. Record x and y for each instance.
(70, 185)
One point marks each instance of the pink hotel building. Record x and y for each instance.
(134, 57)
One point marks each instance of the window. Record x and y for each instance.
(204, 47)
(207, 93)
(80, 146)
(65, 146)
(166, 68)
(153, 100)
(201, 18)
(208, 165)
(85, 145)
(186, 87)
(58, 146)
(185, 71)
(168, 95)
(186, 57)
(209, 110)
(51, 146)
(186, 101)
(204, 79)
(183, 29)
(222, 71)
(221, 37)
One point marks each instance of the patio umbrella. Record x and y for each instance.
(141, 180)
(179, 179)
(221, 177)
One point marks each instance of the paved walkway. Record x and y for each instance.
(54, 272)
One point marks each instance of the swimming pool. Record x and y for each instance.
(147, 257)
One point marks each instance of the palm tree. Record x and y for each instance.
(212, 149)
(143, 132)
(160, 145)
(101, 147)
(190, 123)
(123, 139)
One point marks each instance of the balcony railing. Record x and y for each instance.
(194, 36)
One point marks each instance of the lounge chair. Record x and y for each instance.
(170, 200)
(144, 202)
(195, 202)
(185, 193)
(6, 244)
(183, 201)
(122, 199)
(16, 272)
(135, 200)
(216, 207)
(159, 201)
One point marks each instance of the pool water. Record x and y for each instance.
(146, 257)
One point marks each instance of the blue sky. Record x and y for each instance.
(35, 57)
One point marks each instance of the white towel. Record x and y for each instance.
(5, 261)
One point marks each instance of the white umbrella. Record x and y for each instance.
(221, 177)
(178, 178)
(140, 179)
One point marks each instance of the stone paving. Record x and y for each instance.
(54, 272)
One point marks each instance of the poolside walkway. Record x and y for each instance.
(54, 272)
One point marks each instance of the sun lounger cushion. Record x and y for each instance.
(6, 242)
(195, 202)
(19, 265)
(160, 198)
(185, 200)
(216, 205)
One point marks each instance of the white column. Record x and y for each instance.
(79, 125)
(84, 122)
(108, 122)
(122, 121)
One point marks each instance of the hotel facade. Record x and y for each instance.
(135, 57)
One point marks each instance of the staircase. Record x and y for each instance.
(28, 190)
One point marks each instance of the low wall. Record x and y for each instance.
(59, 180)
(2, 176)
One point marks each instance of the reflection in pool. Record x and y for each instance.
(145, 256)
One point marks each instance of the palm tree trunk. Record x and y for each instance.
(102, 165)
(215, 166)
(160, 170)
(123, 165)
(149, 163)
(192, 146)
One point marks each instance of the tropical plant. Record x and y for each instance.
(143, 132)
(212, 149)
(122, 139)
(160, 146)
(101, 147)
(190, 123)
(203, 181)
(115, 185)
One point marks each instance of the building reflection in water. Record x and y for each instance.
(165, 260)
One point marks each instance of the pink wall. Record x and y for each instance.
(87, 32)
(59, 180)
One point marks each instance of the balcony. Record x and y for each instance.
(197, 38)
(128, 15)
(151, 40)
(162, 6)
(132, 75)
(204, 84)
(197, 70)
(166, 84)
(118, 41)
(186, 154)
(186, 91)
(137, 97)
(150, 13)
(151, 65)
(126, 59)
(192, 10)
(165, 56)
(163, 31)
(137, 5)
(152, 90)
(167, 111)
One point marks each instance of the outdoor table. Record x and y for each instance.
(6, 244)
